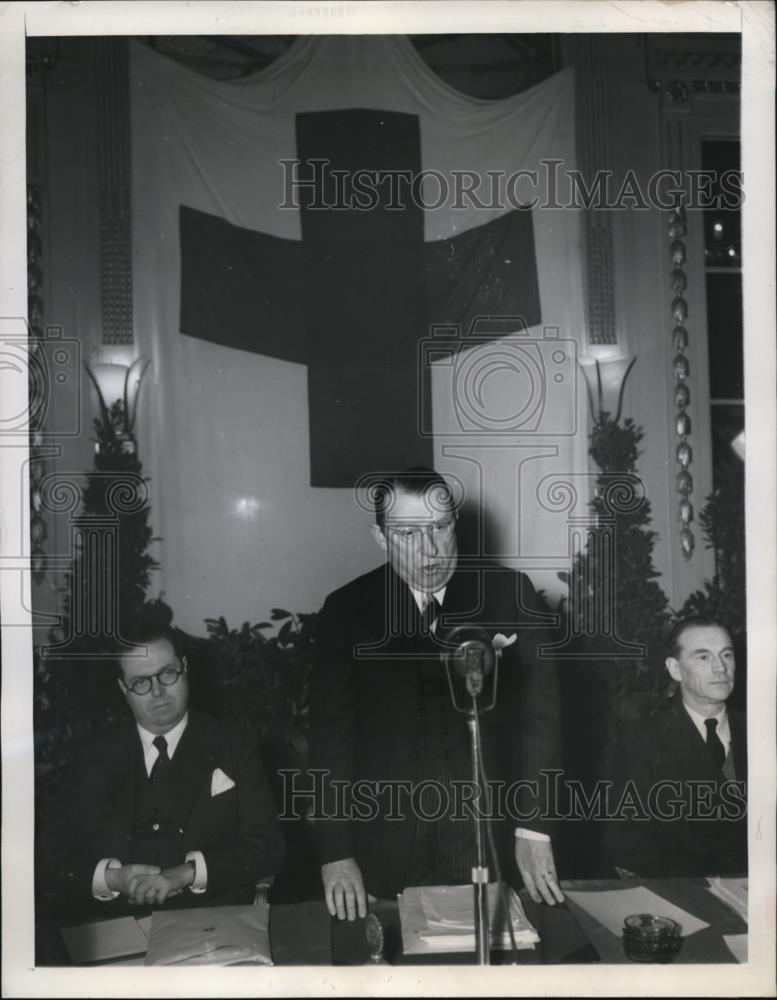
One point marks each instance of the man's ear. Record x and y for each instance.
(380, 538)
(185, 665)
(673, 668)
(122, 688)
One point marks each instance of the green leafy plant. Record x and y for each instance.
(74, 688)
(263, 680)
(723, 524)
(619, 574)
(614, 599)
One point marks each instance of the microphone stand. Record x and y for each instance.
(473, 658)
(480, 869)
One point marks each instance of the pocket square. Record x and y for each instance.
(220, 782)
(501, 641)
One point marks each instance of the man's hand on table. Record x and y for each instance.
(534, 859)
(147, 884)
(344, 889)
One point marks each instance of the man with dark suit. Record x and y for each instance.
(684, 769)
(381, 710)
(173, 806)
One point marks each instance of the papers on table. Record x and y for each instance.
(214, 935)
(612, 907)
(441, 919)
(737, 945)
(732, 892)
(104, 940)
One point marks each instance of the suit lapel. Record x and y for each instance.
(738, 726)
(124, 764)
(464, 602)
(396, 609)
(195, 763)
(684, 743)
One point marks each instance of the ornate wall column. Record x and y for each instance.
(694, 83)
(593, 84)
(114, 164)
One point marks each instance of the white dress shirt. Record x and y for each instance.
(422, 599)
(723, 730)
(100, 888)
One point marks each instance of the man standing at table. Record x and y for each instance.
(686, 768)
(169, 806)
(381, 709)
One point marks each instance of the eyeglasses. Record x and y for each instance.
(167, 676)
(439, 531)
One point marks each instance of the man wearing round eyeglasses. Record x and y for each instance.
(173, 806)
(381, 709)
(156, 688)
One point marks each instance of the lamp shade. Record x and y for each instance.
(605, 378)
(110, 380)
(117, 382)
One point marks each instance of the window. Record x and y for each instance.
(723, 282)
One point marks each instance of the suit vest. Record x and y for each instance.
(156, 837)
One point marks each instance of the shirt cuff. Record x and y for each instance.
(100, 888)
(523, 834)
(200, 883)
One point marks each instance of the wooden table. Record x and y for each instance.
(691, 895)
(304, 934)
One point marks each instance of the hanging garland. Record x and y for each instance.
(37, 364)
(681, 370)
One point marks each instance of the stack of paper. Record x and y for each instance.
(441, 919)
(731, 891)
(737, 945)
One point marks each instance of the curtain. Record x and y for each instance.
(300, 347)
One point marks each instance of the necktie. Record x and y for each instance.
(429, 615)
(714, 742)
(161, 767)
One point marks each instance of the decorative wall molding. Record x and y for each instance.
(681, 67)
(706, 56)
(681, 369)
(36, 67)
(593, 87)
(684, 123)
(37, 364)
(114, 165)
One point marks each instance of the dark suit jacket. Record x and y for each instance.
(367, 712)
(711, 839)
(92, 817)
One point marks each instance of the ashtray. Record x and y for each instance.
(649, 938)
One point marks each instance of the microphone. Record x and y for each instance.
(470, 657)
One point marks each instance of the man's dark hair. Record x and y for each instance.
(142, 633)
(674, 638)
(416, 481)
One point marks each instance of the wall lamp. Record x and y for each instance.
(118, 387)
(605, 380)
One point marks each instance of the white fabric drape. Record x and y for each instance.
(224, 433)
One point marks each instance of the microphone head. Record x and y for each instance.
(469, 650)
(469, 656)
